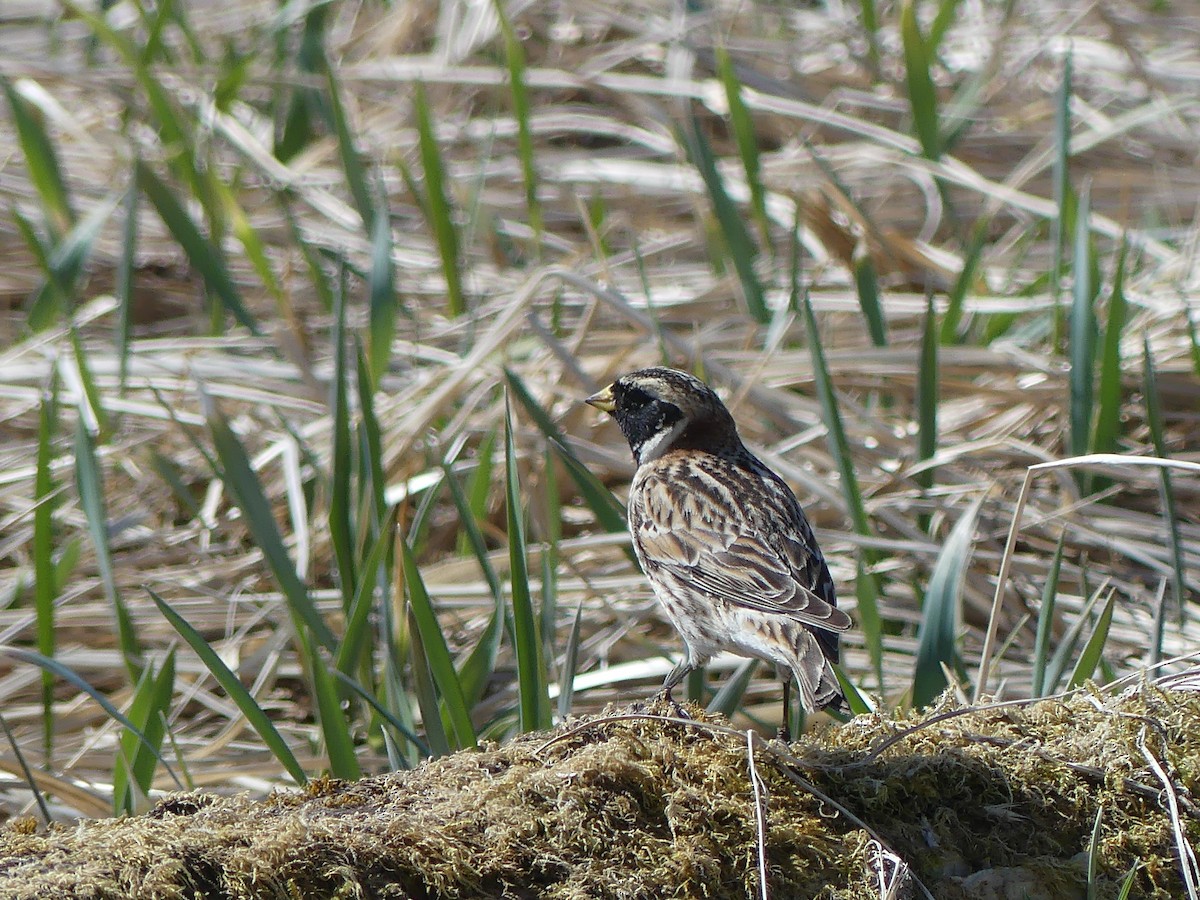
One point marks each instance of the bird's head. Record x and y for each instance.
(661, 409)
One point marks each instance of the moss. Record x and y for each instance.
(630, 807)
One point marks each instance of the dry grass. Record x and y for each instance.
(594, 296)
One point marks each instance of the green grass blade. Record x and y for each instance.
(1064, 200)
(202, 252)
(1066, 647)
(938, 631)
(247, 492)
(922, 96)
(1127, 885)
(90, 485)
(839, 446)
(233, 687)
(947, 10)
(866, 284)
(41, 161)
(384, 302)
(46, 585)
(1083, 335)
(514, 55)
(1154, 420)
(1094, 648)
(440, 214)
(963, 284)
(26, 771)
(133, 774)
(352, 159)
(739, 248)
(1110, 394)
(341, 533)
(481, 664)
(437, 654)
(427, 699)
(339, 744)
(608, 511)
(69, 675)
(928, 392)
(479, 488)
(532, 689)
(382, 711)
(870, 623)
(747, 143)
(375, 570)
(729, 696)
(570, 666)
(1045, 625)
(126, 270)
(65, 263)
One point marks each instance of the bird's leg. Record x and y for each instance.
(676, 675)
(785, 730)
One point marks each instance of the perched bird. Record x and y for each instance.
(722, 538)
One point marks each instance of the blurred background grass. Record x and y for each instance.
(298, 302)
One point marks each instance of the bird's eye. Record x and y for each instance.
(636, 398)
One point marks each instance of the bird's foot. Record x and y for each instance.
(676, 707)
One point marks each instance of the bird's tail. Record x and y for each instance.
(819, 687)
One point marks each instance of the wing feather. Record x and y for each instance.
(738, 535)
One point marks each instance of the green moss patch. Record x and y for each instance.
(980, 805)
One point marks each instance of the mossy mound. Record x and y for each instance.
(980, 805)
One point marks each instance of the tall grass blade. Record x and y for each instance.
(1108, 418)
(1089, 658)
(437, 654)
(247, 492)
(383, 299)
(866, 284)
(938, 631)
(339, 744)
(375, 571)
(608, 511)
(232, 685)
(90, 485)
(514, 55)
(439, 210)
(1154, 420)
(1066, 647)
(46, 585)
(1045, 625)
(352, 160)
(922, 96)
(71, 676)
(126, 269)
(839, 445)
(41, 162)
(928, 393)
(1064, 200)
(481, 664)
(1083, 335)
(532, 688)
(570, 666)
(202, 252)
(65, 263)
(870, 623)
(739, 248)
(341, 533)
(729, 696)
(26, 771)
(133, 774)
(747, 143)
(382, 711)
(964, 284)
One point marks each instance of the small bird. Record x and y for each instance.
(722, 538)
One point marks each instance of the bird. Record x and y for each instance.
(722, 539)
